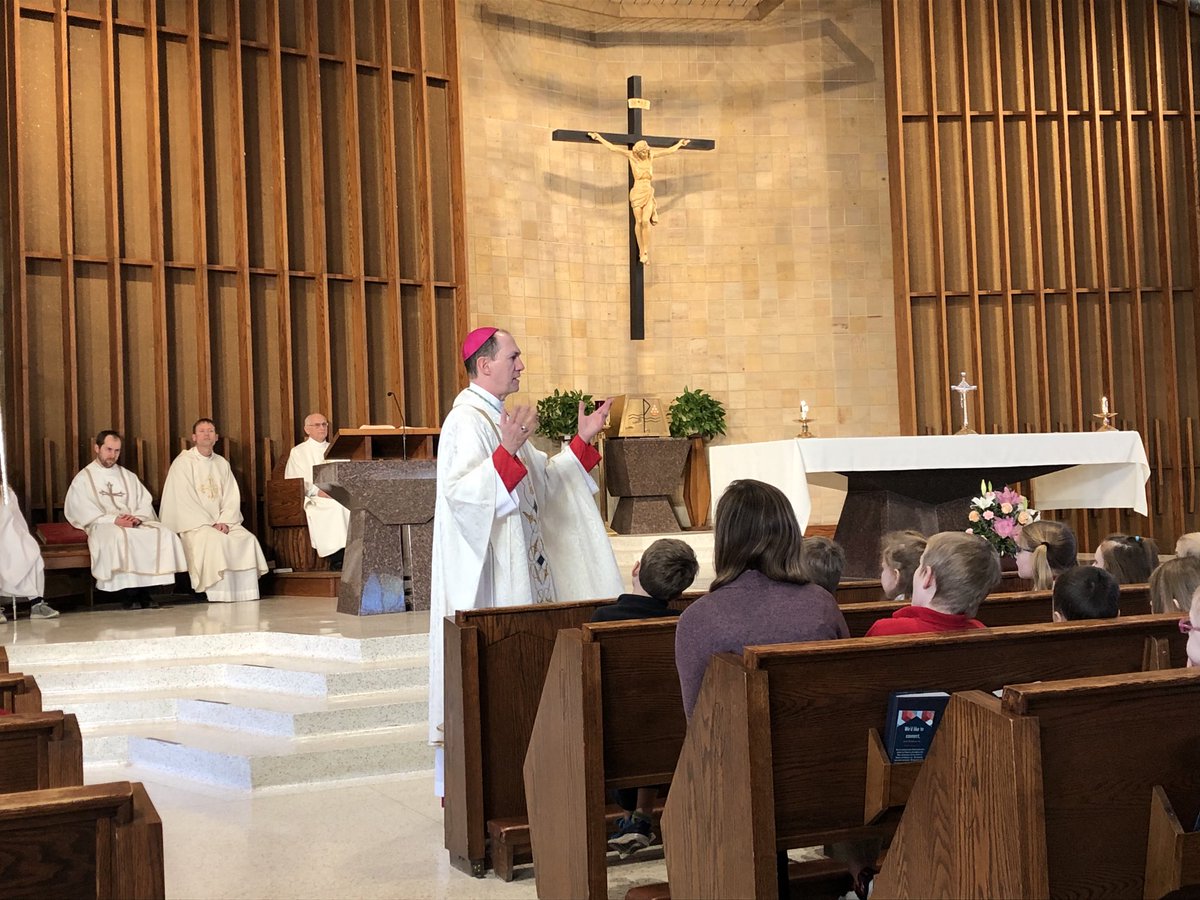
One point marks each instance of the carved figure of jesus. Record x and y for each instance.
(641, 195)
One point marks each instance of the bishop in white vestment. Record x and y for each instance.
(511, 525)
(201, 502)
(129, 547)
(328, 520)
(22, 573)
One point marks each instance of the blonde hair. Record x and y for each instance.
(965, 567)
(1173, 583)
(1188, 544)
(901, 550)
(1054, 550)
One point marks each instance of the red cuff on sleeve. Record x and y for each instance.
(510, 469)
(587, 454)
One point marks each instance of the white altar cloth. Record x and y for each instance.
(1102, 470)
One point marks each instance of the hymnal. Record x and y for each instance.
(913, 716)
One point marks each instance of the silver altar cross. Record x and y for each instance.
(962, 389)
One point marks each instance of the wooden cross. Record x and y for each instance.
(637, 281)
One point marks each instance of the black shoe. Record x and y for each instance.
(335, 560)
(150, 604)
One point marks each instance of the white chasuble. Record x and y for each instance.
(122, 557)
(22, 573)
(199, 492)
(328, 520)
(543, 542)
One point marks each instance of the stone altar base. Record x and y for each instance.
(645, 515)
(868, 515)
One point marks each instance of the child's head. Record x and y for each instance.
(1129, 558)
(899, 556)
(824, 560)
(1086, 592)
(1045, 550)
(957, 571)
(1188, 544)
(667, 569)
(1173, 583)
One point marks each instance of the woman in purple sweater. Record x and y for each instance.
(760, 594)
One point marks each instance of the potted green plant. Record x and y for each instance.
(698, 416)
(558, 414)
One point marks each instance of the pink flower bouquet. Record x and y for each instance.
(999, 516)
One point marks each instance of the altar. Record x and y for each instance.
(926, 482)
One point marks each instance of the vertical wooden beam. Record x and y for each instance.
(158, 272)
(241, 241)
(19, 430)
(1005, 243)
(968, 162)
(1035, 209)
(204, 377)
(939, 242)
(66, 238)
(391, 238)
(317, 186)
(286, 398)
(1167, 275)
(457, 182)
(355, 363)
(906, 386)
(1065, 193)
(428, 312)
(112, 223)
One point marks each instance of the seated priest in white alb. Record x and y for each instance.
(22, 572)
(202, 503)
(131, 550)
(328, 520)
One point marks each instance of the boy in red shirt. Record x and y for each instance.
(956, 573)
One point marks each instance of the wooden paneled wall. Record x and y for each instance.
(243, 209)
(1046, 224)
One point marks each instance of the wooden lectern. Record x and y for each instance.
(387, 478)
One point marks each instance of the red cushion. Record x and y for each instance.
(60, 533)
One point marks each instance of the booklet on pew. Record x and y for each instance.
(913, 717)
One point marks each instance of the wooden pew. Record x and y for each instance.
(1046, 792)
(39, 750)
(19, 693)
(777, 752)
(3, 660)
(1027, 608)
(495, 665)
(98, 841)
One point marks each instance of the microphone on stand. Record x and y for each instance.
(400, 412)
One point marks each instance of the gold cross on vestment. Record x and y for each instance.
(111, 494)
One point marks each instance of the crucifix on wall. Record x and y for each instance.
(642, 211)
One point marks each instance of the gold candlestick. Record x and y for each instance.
(804, 420)
(1105, 414)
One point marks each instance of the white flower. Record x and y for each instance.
(981, 502)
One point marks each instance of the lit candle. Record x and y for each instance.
(804, 409)
(1104, 406)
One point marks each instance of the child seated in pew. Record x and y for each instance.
(1045, 550)
(1173, 583)
(667, 569)
(823, 560)
(899, 556)
(956, 573)
(760, 595)
(1129, 558)
(1085, 592)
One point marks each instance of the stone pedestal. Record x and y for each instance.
(643, 473)
(390, 541)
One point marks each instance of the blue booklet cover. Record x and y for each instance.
(912, 718)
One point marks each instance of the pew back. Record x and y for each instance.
(824, 696)
(99, 841)
(39, 750)
(1063, 774)
(19, 693)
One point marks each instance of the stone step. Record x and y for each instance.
(241, 761)
(263, 712)
(76, 680)
(252, 644)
